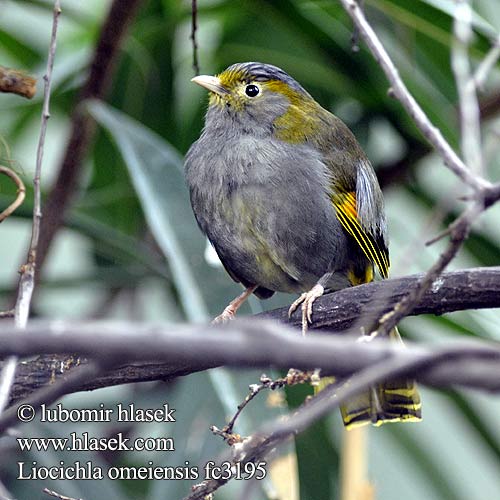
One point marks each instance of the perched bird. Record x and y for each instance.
(291, 203)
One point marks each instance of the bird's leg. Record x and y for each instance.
(233, 306)
(307, 300)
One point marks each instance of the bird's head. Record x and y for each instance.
(260, 99)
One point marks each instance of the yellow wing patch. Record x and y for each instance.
(347, 214)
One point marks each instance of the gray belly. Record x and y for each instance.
(270, 218)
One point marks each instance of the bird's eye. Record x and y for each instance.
(252, 90)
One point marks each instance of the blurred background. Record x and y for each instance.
(130, 247)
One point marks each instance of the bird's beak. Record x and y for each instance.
(211, 83)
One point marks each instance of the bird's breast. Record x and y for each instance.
(265, 206)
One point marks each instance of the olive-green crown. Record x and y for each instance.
(257, 72)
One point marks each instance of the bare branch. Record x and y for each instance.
(470, 121)
(72, 381)
(21, 192)
(241, 343)
(27, 280)
(459, 231)
(487, 65)
(37, 208)
(473, 364)
(293, 377)
(194, 27)
(338, 311)
(102, 65)
(400, 91)
(268, 436)
(467, 289)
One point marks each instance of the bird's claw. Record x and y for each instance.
(307, 300)
(230, 311)
(226, 315)
(296, 304)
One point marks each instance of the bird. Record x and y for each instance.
(291, 203)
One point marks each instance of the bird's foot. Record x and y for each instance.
(226, 315)
(306, 300)
(296, 304)
(230, 311)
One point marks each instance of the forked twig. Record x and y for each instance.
(401, 92)
(293, 377)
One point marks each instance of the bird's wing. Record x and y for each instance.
(372, 245)
(355, 193)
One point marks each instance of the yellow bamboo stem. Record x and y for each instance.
(354, 482)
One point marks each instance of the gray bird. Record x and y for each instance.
(291, 203)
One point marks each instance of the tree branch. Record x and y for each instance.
(27, 279)
(17, 82)
(113, 32)
(21, 192)
(165, 346)
(453, 291)
(194, 28)
(255, 447)
(470, 120)
(400, 91)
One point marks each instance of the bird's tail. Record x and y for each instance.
(394, 401)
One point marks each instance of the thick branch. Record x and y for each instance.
(460, 290)
(454, 291)
(17, 82)
(240, 344)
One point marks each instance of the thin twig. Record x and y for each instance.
(27, 280)
(459, 231)
(21, 192)
(470, 121)
(486, 65)
(400, 91)
(58, 495)
(194, 27)
(120, 15)
(355, 33)
(270, 435)
(37, 208)
(293, 377)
